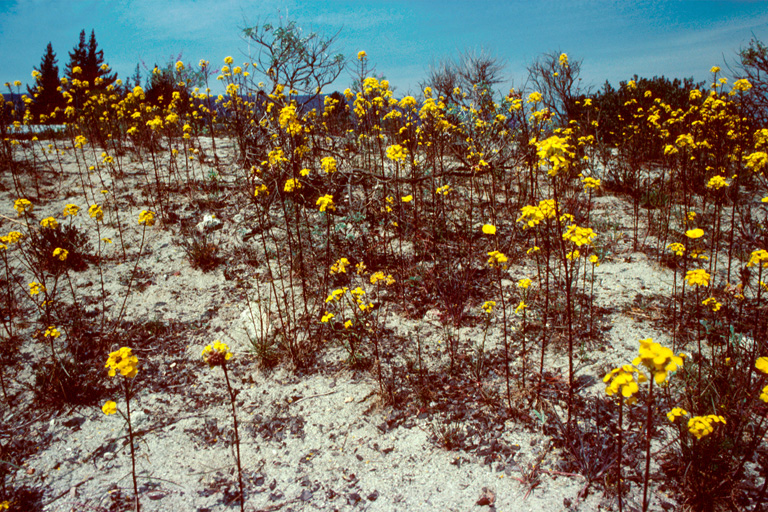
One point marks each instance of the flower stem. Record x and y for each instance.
(237, 439)
(126, 386)
(648, 435)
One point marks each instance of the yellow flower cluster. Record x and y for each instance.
(325, 203)
(533, 215)
(712, 304)
(328, 164)
(96, 212)
(11, 238)
(216, 354)
(590, 183)
(49, 222)
(23, 206)
(701, 426)
(623, 380)
(35, 288)
(52, 332)
(758, 258)
(579, 236)
(109, 407)
(60, 253)
(676, 248)
(444, 190)
(122, 361)
(397, 153)
(717, 182)
(71, 209)
(488, 306)
(497, 259)
(762, 365)
(697, 277)
(556, 151)
(676, 413)
(289, 121)
(489, 229)
(340, 266)
(291, 185)
(336, 294)
(147, 218)
(659, 360)
(379, 276)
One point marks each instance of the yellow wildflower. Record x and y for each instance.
(676, 413)
(216, 354)
(659, 360)
(23, 206)
(60, 253)
(325, 203)
(698, 277)
(497, 259)
(623, 380)
(701, 426)
(49, 222)
(147, 218)
(124, 361)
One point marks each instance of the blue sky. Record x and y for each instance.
(615, 39)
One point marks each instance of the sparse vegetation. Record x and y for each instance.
(446, 246)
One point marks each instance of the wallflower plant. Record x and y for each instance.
(217, 354)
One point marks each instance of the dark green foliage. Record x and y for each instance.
(68, 382)
(753, 65)
(68, 237)
(90, 60)
(47, 99)
(163, 81)
(616, 108)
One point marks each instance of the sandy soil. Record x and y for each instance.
(312, 440)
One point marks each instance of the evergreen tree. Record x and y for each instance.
(46, 95)
(89, 61)
(95, 70)
(135, 80)
(77, 59)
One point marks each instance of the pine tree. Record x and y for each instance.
(95, 70)
(89, 61)
(46, 96)
(136, 78)
(77, 59)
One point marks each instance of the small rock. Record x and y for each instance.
(109, 455)
(156, 495)
(74, 423)
(373, 496)
(353, 498)
(488, 497)
(306, 495)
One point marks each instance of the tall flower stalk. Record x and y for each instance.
(217, 354)
(659, 361)
(127, 364)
